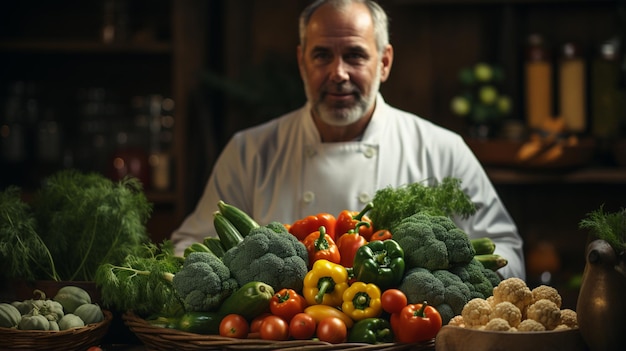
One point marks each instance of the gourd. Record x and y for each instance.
(71, 297)
(10, 316)
(34, 322)
(54, 326)
(52, 310)
(89, 313)
(23, 306)
(70, 320)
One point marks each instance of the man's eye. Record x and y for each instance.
(354, 57)
(321, 56)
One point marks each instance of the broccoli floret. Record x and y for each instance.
(203, 282)
(479, 279)
(432, 242)
(440, 288)
(275, 258)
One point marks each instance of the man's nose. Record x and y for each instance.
(339, 71)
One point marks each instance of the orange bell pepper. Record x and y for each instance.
(348, 220)
(307, 225)
(320, 245)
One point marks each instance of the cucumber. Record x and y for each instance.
(200, 322)
(226, 231)
(215, 245)
(483, 246)
(492, 261)
(240, 219)
(250, 300)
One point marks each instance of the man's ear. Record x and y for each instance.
(300, 57)
(387, 60)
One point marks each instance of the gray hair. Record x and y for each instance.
(379, 19)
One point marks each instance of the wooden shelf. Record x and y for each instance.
(504, 176)
(85, 47)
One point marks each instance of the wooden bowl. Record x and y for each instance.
(451, 338)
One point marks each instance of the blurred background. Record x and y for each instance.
(155, 88)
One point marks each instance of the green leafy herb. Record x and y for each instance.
(610, 227)
(76, 222)
(22, 251)
(446, 198)
(143, 282)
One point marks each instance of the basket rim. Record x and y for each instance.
(108, 317)
(162, 338)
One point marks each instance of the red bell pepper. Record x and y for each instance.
(307, 225)
(286, 303)
(320, 245)
(349, 243)
(382, 234)
(415, 323)
(347, 220)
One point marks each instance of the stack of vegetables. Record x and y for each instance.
(394, 272)
(71, 307)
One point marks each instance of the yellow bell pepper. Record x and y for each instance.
(325, 283)
(362, 301)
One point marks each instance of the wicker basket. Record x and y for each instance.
(71, 339)
(163, 339)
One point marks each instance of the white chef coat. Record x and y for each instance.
(282, 171)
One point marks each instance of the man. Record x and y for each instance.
(346, 142)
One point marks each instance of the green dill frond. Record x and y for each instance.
(610, 227)
(23, 254)
(445, 198)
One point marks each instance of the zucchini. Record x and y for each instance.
(492, 261)
(200, 322)
(239, 218)
(250, 300)
(483, 246)
(215, 245)
(226, 231)
(196, 247)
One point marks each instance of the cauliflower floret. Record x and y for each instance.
(530, 325)
(497, 324)
(490, 300)
(457, 321)
(545, 312)
(546, 292)
(476, 312)
(569, 318)
(507, 311)
(515, 291)
(561, 327)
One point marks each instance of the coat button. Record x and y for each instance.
(308, 196)
(369, 152)
(364, 197)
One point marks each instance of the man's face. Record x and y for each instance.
(340, 64)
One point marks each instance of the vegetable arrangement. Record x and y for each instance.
(76, 222)
(337, 279)
(70, 308)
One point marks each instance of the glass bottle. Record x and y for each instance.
(572, 83)
(538, 82)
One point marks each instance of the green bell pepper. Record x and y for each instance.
(380, 263)
(371, 331)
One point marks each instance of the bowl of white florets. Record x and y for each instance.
(514, 318)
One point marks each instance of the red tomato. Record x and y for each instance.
(302, 326)
(234, 326)
(332, 330)
(94, 348)
(255, 325)
(274, 328)
(393, 300)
